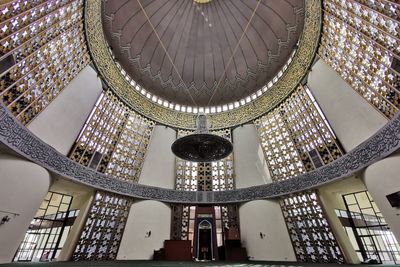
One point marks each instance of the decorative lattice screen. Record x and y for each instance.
(296, 138)
(114, 139)
(42, 48)
(361, 41)
(211, 176)
(105, 224)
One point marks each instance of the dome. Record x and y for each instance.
(113, 39)
(202, 54)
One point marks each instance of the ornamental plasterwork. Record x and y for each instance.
(17, 137)
(113, 77)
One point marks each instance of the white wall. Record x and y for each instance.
(159, 165)
(250, 165)
(144, 216)
(352, 118)
(381, 179)
(79, 223)
(331, 198)
(60, 123)
(265, 216)
(23, 186)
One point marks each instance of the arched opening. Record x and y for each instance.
(204, 241)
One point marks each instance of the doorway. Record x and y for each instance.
(205, 251)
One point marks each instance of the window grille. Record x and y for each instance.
(42, 48)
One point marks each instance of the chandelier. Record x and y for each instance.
(202, 146)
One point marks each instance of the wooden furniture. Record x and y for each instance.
(234, 251)
(159, 255)
(233, 246)
(232, 233)
(174, 250)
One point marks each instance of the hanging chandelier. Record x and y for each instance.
(202, 146)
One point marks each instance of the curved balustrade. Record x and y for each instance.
(17, 137)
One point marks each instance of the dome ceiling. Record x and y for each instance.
(201, 38)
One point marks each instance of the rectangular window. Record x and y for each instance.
(48, 230)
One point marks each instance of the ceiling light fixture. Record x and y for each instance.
(202, 146)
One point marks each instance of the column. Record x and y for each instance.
(250, 165)
(352, 118)
(23, 188)
(60, 123)
(148, 225)
(381, 179)
(263, 231)
(159, 165)
(75, 232)
(331, 198)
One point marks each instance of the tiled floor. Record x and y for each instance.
(174, 264)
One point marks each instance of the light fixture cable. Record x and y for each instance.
(165, 50)
(227, 65)
(234, 51)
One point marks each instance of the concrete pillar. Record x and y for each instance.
(60, 123)
(331, 198)
(23, 186)
(159, 165)
(145, 216)
(383, 178)
(250, 165)
(265, 216)
(75, 232)
(352, 118)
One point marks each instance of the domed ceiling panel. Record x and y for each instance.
(202, 54)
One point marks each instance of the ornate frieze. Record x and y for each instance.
(14, 135)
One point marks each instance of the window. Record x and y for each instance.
(360, 40)
(296, 138)
(48, 230)
(105, 224)
(43, 44)
(114, 139)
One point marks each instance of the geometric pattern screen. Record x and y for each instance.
(361, 41)
(204, 176)
(309, 230)
(113, 140)
(105, 224)
(42, 48)
(296, 138)
(210, 176)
